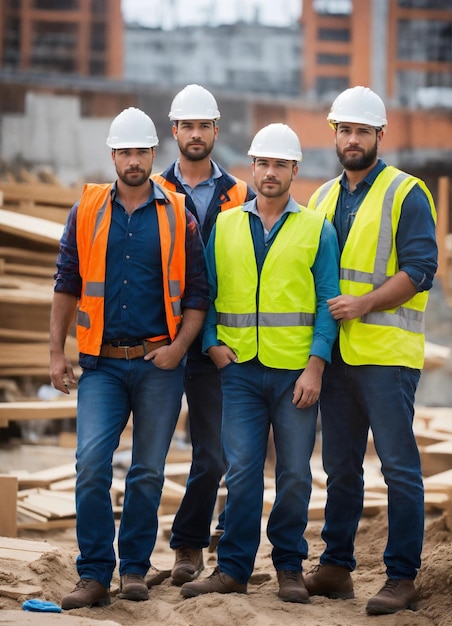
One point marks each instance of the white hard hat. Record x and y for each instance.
(194, 103)
(359, 105)
(132, 128)
(276, 141)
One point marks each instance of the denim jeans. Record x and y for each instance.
(354, 399)
(106, 396)
(193, 519)
(255, 397)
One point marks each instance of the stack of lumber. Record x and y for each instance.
(33, 210)
(45, 499)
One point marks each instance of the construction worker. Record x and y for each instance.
(272, 266)
(385, 221)
(131, 268)
(209, 190)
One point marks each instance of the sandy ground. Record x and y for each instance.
(55, 574)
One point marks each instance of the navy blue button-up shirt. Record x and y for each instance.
(134, 304)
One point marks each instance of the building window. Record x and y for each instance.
(56, 5)
(425, 4)
(424, 40)
(326, 85)
(333, 59)
(334, 34)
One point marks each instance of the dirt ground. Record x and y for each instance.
(54, 573)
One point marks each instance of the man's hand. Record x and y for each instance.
(165, 357)
(61, 373)
(221, 356)
(307, 386)
(346, 307)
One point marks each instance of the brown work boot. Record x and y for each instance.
(216, 582)
(395, 595)
(187, 566)
(332, 581)
(87, 592)
(291, 587)
(133, 587)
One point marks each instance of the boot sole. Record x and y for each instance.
(77, 605)
(185, 577)
(134, 596)
(381, 610)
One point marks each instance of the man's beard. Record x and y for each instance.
(134, 182)
(199, 155)
(358, 163)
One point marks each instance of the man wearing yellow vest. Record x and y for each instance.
(209, 190)
(385, 221)
(131, 270)
(272, 267)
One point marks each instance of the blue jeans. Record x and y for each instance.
(106, 396)
(192, 522)
(354, 399)
(255, 397)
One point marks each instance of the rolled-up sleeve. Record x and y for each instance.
(326, 279)
(417, 250)
(67, 277)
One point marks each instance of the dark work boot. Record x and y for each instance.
(291, 587)
(88, 592)
(217, 582)
(332, 581)
(188, 565)
(395, 595)
(133, 587)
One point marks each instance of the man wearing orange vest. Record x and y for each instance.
(131, 270)
(209, 190)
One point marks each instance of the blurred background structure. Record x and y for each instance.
(68, 66)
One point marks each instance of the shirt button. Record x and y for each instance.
(130, 235)
(124, 306)
(124, 282)
(128, 257)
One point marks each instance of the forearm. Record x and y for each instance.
(64, 306)
(192, 322)
(394, 292)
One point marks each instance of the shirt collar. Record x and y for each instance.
(291, 207)
(369, 179)
(216, 173)
(155, 193)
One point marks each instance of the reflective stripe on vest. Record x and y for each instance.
(243, 320)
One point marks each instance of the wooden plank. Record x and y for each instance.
(8, 516)
(39, 193)
(41, 409)
(19, 545)
(436, 458)
(34, 228)
(435, 355)
(18, 590)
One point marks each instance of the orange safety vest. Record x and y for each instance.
(93, 225)
(236, 194)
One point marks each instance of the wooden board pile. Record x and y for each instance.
(33, 210)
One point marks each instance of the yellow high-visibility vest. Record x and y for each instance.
(369, 258)
(271, 316)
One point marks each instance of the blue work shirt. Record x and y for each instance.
(325, 271)
(202, 193)
(417, 251)
(134, 306)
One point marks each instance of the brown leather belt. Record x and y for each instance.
(131, 352)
